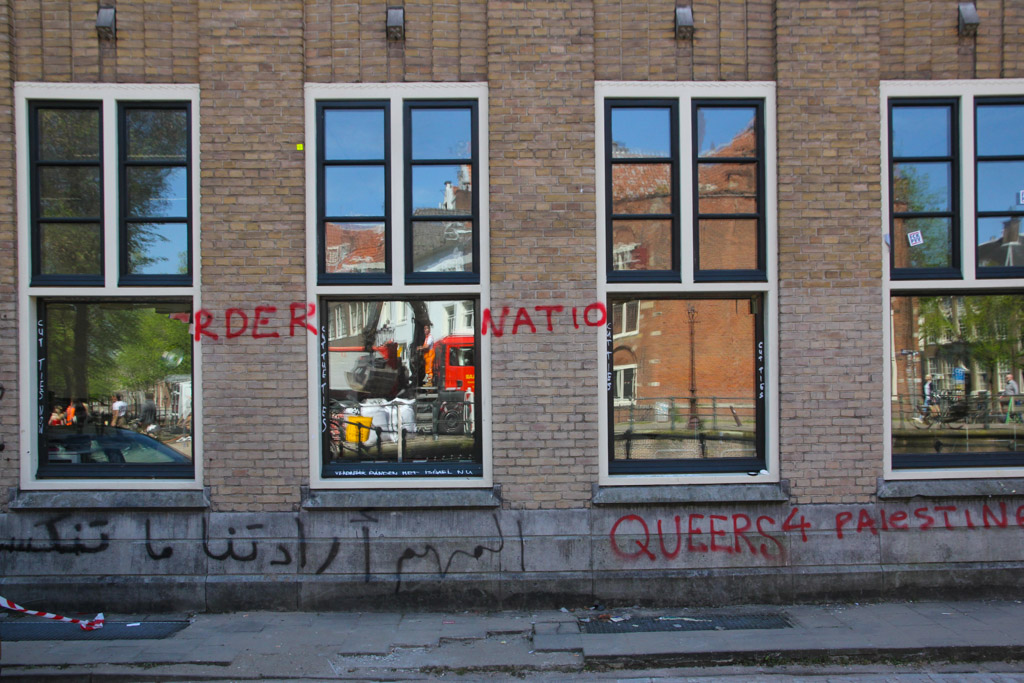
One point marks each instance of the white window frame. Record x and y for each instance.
(685, 92)
(28, 296)
(397, 94)
(965, 91)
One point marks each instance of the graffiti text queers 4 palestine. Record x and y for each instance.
(233, 323)
(635, 537)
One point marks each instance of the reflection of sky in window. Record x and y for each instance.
(428, 185)
(168, 248)
(999, 185)
(927, 188)
(354, 134)
(920, 131)
(990, 229)
(354, 191)
(717, 127)
(642, 132)
(441, 133)
(1000, 129)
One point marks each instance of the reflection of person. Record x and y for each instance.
(79, 414)
(427, 350)
(118, 410)
(1010, 390)
(147, 418)
(929, 394)
(57, 417)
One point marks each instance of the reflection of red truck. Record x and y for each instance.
(454, 363)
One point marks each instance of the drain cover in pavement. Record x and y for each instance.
(711, 622)
(112, 630)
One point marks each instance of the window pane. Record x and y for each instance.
(354, 134)
(71, 248)
(69, 191)
(441, 133)
(69, 134)
(727, 188)
(354, 247)
(1000, 184)
(672, 415)
(921, 131)
(641, 189)
(102, 354)
(441, 190)
(642, 245)
(157, 134)
(401, 383)
(158, 248)
(354, 191)
(950, 360)
(641, 132)
(442, 246)
(999, 242)
(728, 244)
(1000, 129)
(923, 243)
(157, 192)
(922, 187)
(726, 132)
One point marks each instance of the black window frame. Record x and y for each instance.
(413, 277)
(710, 466)
(38, 278)
(672, 274)
(993, 271)
(759, 274)
(954, 214)
(378, 471)
(45, 470)
(371, 278)
(124, 221)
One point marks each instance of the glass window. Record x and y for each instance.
(1000, 186)
(924, 189)
(67, 192)
(354, 196)
(441, 206)
(401, 398)
(956, 377)
(116, 386)
(642, 195)
(728, 190)
(687, 390)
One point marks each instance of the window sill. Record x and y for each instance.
(109, 500)
(949, 488)
(698, 493)
(401, 499)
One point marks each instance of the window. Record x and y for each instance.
(689, 282)
(955, 320)
(109, 185)
(400, 230)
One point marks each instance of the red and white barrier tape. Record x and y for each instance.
(86, 624)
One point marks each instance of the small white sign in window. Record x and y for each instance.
(915, 238)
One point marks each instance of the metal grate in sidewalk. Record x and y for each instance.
(112, 630)
(697, 622)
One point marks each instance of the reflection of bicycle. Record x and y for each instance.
(948, 412)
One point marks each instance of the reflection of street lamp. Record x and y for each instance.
(911, 357)
(691, 318)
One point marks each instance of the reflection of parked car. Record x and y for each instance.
(114, 445)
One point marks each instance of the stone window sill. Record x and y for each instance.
(400, 499)
(109, 500)
(698, 493)
(949, 488)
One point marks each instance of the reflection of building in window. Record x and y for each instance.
(446, 246)
(1006, 249)
(626, 318)
(625, 384)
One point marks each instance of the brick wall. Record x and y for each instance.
(9, 462)
(540, 71)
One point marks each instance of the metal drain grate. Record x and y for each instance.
(112, 630)
(698, 622)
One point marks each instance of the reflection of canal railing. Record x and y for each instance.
(683, 413)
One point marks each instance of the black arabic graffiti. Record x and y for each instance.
(478, 551)
(163, 554)
(56, 543)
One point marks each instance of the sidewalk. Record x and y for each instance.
(393, 646)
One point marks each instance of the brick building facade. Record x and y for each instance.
(289, 129)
